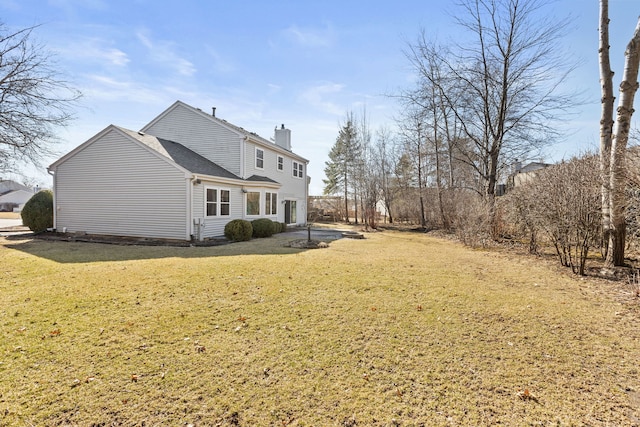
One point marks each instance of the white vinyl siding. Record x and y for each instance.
(202, 135)
(291, 187)
(114, 186)
(214, 226)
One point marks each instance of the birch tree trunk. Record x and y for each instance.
(628, 88)
(606, 120)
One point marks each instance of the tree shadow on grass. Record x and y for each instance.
(86, 252)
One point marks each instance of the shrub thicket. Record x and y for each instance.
(263, 227)
(562, 202)
(238, 230)
(37, 213)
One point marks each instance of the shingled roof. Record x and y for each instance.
(181, 155)
(258, 178)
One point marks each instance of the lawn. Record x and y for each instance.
(397, 329)
(10, 215)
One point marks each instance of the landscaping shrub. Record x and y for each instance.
(263, 227)
(277, 227)
(37, 213)
(238, 230)
(283, 227)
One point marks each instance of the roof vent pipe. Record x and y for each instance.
(282, 126)
(213, 111)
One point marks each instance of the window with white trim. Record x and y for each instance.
(253, 203)
(217, 202)
(271, 203)
(259, 158)
(280, 163)
(298, 169)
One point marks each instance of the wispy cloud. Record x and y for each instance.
(310, 37)
(274, 88)
(9, 4)
(220, 64)
(72, 5)
(95, 50)
(318, 96)
(164, 52)
(105, 88)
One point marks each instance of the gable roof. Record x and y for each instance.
(254, 137)
(11, 196)
(181, 155)
(7, 186)
(172, 152)
(533, 166)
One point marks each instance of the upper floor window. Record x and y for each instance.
(259, 158)
(298, 169)
(217, 202)
(280, 163)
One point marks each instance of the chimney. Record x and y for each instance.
(283, 137)
(213, 111)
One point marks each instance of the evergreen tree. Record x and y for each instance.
(339, 169)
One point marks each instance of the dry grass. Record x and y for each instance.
(397, 329)
(10, 215)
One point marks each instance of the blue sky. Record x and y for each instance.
(301, 63)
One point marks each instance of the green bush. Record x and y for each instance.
(238, 230)
(277, 227)
(263, 227)
(283, 227)
(37, 213)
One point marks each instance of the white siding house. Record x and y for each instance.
(183, 176)
(13, 195)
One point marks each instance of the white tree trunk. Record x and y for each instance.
(628, 88)
(606, 120)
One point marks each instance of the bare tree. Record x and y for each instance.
(614, 137)
(606, 121)
(34, 99)
(413, 138)
(507, 80)
(384, 149)
(429, 97)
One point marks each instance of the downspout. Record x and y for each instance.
(55, 201)
(243, 147)
(190, 181)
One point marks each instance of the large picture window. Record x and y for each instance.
(259, 158)
(217, 202)
(253, 203)
(271, 203)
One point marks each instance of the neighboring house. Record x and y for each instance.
(523, 174)
(13, 196)
(184, 176)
